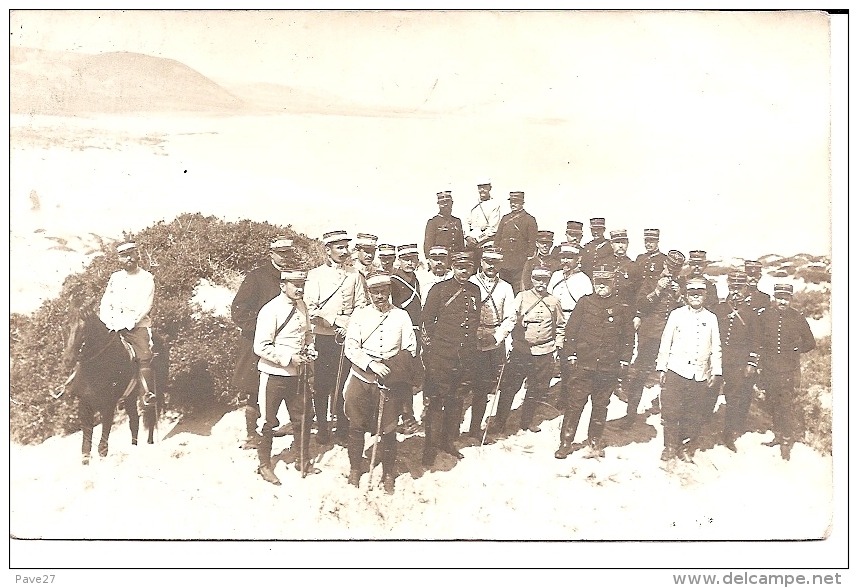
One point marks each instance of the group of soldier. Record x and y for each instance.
(348, 344)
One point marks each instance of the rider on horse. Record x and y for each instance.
(125, 308)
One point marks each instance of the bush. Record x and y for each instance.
(815, 399)
(812, 303)
(198, 352)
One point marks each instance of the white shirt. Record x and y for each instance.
(127, 300)
(690, 344)
(494, 310)
(333, 292)
(276, 351)
(483, 220)
(373, 335)
(569, 289)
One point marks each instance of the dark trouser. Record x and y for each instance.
(512, 277)
(738, 391)
(681, 401)
(448, 381)
(585, 384)
(486, 369)
(140, 339)
(272, 391)
(782, 390)
(362, 409)
(326, 368)
(639, 371)
(404, 393)
(245, 379)
(538, 369)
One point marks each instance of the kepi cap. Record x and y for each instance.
(444, 196)
(378, 279)
(783, 290)
(334, 236)
(675, 259)
(281, 243)
(518, 195)
(696, 256)
(597, 223)
(695, 284)
(365, 240)
(603, 273)
(293, 275)
(491, 254)
(574, 227)
(651, 234)
(410, 249)
(484, 181)
(438, 250)
(737, 277)
(126, 247)
(462, 258)
(753, 268)
(540, 272)
(619, 235)
(569, 250)
(545, 236)
(386, 250)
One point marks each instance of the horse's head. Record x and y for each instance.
(80, 316)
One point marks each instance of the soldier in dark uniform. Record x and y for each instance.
(386, 257)
(544, 241)
(537, 334)
(651, 262)
(451, 317)
(574, 232)
(696, 263)
(759, 299)
(598, 348)
(444, 229)
(779, 337)
(405, 294)
(597, 249)
(657, 297)
(739, 361)
(625, 283)
(515, 240)
(260, 286)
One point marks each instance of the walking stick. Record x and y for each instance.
(302, 384)
(377, 440)
(495, 399)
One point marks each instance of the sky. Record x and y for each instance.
(690, 111)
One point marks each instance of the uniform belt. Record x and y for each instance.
(493, 325)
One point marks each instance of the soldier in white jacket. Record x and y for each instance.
(125, 308)
(689, 361)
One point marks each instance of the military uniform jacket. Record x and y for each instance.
(260, 286)
(626, 285)
(282, 331)
(536, 261)
(377, 336)
(127, 300)
(759, 299)
(690, 344)
(537, 327)
(446, 231)
(405, 294)
(516, 239)
(483, 220)
(649, 264)
(594, 253)
(734, 323)
(654, 309)
(569, 289)
(496, 306)
(600, 333)
(332, 293)
(780, 337)
(451, 317)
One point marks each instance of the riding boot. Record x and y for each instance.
(450, 428)
(355, 450)
(596, 448)
(147, 400)
(528, 411)
(567, 435)
(388, 461)
(431, 425)
(320, 405)
(251, 413)
(264, 452)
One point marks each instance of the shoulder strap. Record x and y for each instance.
(331, 295)
(410, 287)
(453, 297)
(288, 318)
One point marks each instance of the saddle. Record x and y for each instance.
(131, 355)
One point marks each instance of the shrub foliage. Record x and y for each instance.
(195, 348)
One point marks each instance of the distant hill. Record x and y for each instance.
(67, 83)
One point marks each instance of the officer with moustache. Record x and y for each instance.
(597, 249)
(657, 298)
(598, 348)
(451, 317)
(405, 294)
(334, 290)
(496, 306)
(444, 229)
(484, 218)
(651, 262)
(439, 268)
(779, 336)
(625, 283)
(739, 360)
(284, 343)
(537, 334)
(386, 257)
(759, 299)
(516, 240)
(364, 254)
(260, 286)
(697, 262)
(574, 233)
(542, 258)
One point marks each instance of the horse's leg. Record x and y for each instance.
(107, 411)
(133, 418)
(147, 399)
(86, 415)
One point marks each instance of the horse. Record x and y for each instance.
(105, 375)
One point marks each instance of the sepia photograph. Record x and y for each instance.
(351, 276)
